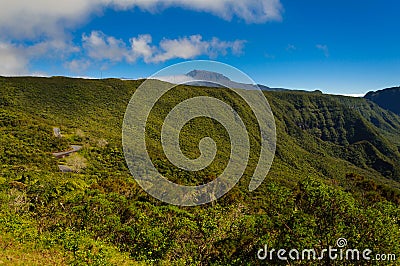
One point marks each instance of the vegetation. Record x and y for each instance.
(387, 98)
(336, 174)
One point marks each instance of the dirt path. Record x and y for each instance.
(62, 154)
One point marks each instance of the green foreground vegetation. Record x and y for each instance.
(336, 174)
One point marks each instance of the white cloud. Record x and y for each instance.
(15, 58)
(33, 19)
(194, 46)
(141, 47)
(178, 79)
(102, 47)
(251, 11)
(217, 46)
(77, 66)
(324, 49)
(185, 48)
(51, 48)
(13, 61)
(99, 46)
(357, 95)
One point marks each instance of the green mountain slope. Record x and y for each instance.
(387, 98)
(350, 128)
(336, 174)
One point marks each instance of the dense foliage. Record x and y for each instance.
(336, 174)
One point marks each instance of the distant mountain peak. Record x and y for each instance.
(212, 79)
(208, 76)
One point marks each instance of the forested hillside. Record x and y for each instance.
(336, 174)
(387, 98)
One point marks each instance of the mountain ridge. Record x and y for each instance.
(387, 98)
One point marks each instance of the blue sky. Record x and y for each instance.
(341, 47)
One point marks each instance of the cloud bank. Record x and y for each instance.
(101, 47)
(32, 19)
